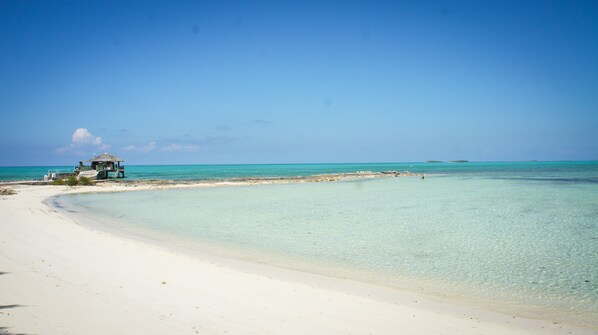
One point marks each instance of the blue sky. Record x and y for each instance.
(164, 82)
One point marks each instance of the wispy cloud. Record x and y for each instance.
(167, 147)
(178, 147)
(222, 127)
(149, 147)
(81, 141)
(216, 140)
(179, 144)
(260, 121)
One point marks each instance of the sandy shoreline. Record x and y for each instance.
(59, 277)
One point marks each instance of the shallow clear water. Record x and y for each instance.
(526, 240)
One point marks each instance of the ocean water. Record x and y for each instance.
(10, 173)
(586, 169)
(520, 237)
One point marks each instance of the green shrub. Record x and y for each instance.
(72, 181)
(85, 181)
(58, 182)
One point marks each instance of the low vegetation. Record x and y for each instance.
(7, 191)
(58, 182)
(86, 181)
(73, 181)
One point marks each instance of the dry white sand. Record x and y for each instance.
(58, 277)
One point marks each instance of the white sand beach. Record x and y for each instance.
(60, 277)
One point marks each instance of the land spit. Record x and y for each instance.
(329, 177)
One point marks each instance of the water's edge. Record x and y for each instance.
(219, 249)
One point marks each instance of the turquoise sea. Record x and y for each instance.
(516, 237)
(585, 169)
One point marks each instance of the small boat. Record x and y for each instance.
(58, 174)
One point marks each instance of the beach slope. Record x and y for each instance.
(59, 277)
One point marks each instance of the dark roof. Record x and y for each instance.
(105, 157)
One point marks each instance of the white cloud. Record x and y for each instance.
(82, 136)
(151, 146)
(83, 139)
